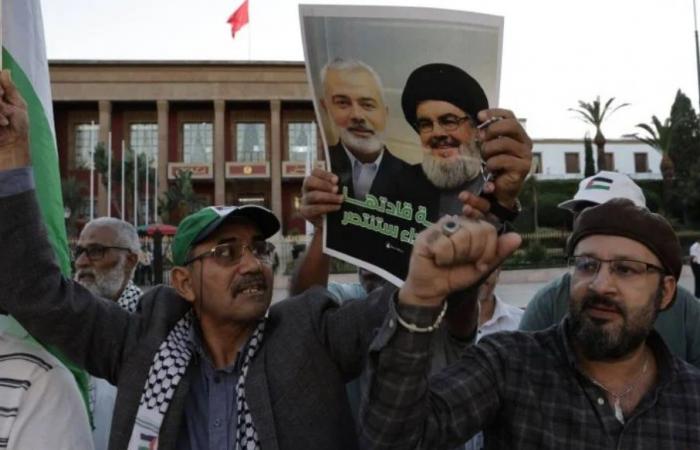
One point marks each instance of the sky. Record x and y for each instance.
(555, 52)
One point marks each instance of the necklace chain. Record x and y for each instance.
(629, 387)
(617, 397)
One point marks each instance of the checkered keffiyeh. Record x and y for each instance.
(168, 368)
(129, 299)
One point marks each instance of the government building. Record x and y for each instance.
(245, 130)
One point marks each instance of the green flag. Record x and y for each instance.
(24, 54)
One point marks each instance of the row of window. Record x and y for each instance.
(198, 141)
(572, 162)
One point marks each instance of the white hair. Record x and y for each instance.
(348, 65)
(126, 235)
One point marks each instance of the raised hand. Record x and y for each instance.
(319, 196)
(14, 126)
(507, 151)
(451, 255)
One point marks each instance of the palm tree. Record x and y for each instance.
(658, 136)
(594, 114)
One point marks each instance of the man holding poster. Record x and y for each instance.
(382, 211)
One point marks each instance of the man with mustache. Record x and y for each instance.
(602, 378)
(105, 260)
(679, 325)
(206, 363)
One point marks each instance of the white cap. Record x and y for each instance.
(605, 186)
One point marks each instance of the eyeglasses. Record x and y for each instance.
(584, 267)
(230, 253)
(448, 122)
(94, 252)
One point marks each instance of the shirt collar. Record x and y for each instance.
(354, 160)
(499, 311)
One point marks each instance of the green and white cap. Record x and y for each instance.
(198, 226)
(604, 186)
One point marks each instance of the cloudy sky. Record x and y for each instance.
(554, 52)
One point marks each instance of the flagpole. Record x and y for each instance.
(250, 33)
(1, 30)
(136, 189)
(148, 170)
(308, 167)
(109, 175)
(92, 172)
(155, 191)
(123, 180)
(697, 47)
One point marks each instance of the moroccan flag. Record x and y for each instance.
(239, 18)
(24, 53)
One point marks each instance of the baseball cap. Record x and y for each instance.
(604, 186)
(198, 226)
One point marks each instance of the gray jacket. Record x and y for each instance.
(296, 383)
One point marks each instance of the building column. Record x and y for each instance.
(219, 153)
(163, 129)
(105, 118)
(276, 157)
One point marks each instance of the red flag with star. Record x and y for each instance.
(239, 18)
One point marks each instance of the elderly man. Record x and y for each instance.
(105, 260)
(204, 364)
(678, 325)
(353, 98)
(603, 378)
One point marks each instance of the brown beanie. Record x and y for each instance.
(621, 217)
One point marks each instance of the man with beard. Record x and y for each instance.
(105, 260)
(353, 98)
(206, 363)
(441, 103)
(603, 378)
(679, 325)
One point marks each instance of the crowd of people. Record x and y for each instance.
(603, 357)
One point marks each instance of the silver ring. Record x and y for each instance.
(450, 227)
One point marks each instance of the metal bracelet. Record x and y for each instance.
(413, 328)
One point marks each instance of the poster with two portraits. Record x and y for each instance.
(396, 92)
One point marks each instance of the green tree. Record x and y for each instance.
(589, 165)
(73, 202)
(658, 136)
(179, 200)
(684, 150)
(595, 114)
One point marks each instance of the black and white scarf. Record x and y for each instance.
(129, 299)
(168, 368)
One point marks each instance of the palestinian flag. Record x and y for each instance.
(24, 54)
(601, 183)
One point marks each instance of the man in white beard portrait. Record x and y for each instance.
(354, 100)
